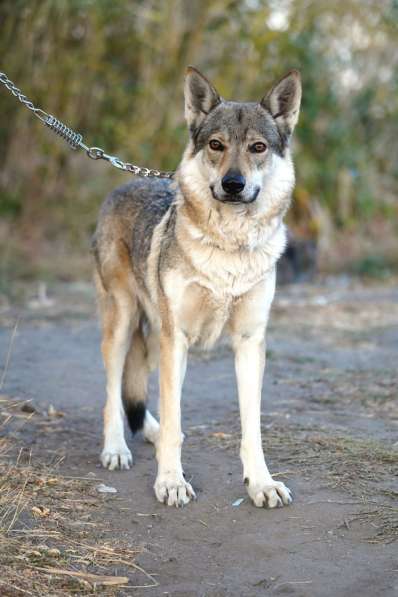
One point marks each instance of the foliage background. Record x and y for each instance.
(113, 70)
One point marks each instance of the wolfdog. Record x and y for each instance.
(182, 262)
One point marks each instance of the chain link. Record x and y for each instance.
(75, 140)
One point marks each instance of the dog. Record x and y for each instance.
(183, 262)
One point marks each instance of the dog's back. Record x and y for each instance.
(129, 215)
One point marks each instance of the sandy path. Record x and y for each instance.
(331, 374)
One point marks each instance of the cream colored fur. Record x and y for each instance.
(217, 277)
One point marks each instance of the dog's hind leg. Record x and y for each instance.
(119, 312)
(117, 324)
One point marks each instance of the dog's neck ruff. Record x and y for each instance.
(228, 260)
(228, 232)
(228, 228)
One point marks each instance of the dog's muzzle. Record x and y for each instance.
(233, 183)
(234, 189)
(239, 197)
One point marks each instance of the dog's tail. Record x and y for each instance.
(135, 413)
(135, 378)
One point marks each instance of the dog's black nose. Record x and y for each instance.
(233, 183)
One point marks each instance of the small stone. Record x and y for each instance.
(238, 502)
(101, 488)
(53, 412)
(28, 407)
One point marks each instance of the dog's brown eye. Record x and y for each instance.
(215, 145)
(258, 147)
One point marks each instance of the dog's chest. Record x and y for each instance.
(211, 281)
(229, 275)
(203, 315)
(208, 299)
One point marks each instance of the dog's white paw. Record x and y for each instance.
(116, 457)
(151, 429)
(172, 489)
(271, 494)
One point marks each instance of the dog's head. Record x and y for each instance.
(238, 151)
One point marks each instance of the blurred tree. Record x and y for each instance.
(114, 71)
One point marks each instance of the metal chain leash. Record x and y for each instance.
(75, 140)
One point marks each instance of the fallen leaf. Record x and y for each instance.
(40, 511)
(33, 553)
(221, 434)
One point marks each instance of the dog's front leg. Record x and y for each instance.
(249, 366)
(170, 486)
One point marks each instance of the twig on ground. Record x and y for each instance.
(91, 578)
(9, 352)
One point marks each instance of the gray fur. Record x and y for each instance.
(283, 102)
(200, 98)
(182, 263)
(235, 119)
(142, 203)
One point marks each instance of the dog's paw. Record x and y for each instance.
(272, 494)
(114, 458)
(151, 429)
(173, 490)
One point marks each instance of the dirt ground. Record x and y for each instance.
(330, 415)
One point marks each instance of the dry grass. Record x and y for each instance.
(50, 540)
(363, 468)
(374, 389)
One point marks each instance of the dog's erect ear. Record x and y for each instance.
(200, 97)
(283, 102)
